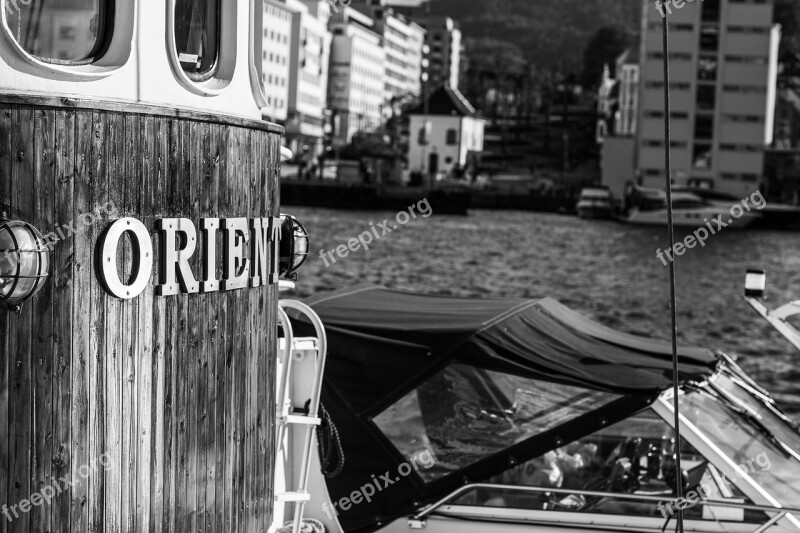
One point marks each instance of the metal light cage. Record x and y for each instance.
(294, 246)
(11, 292)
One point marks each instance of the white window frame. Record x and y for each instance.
(116, 56)
(225, 66)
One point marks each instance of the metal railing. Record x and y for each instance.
(782, 511)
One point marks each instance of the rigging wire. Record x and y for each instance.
(672, 276)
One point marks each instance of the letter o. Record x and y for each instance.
(142, 260)
(405, 215)
(408, 469)
(84, 471)
(740, 208)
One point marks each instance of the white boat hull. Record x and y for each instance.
(691, 218)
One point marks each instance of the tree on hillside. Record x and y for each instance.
(603, 49)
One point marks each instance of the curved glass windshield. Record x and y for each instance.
(464, 414)
(197, 36)
(58, 30)
(634, 457)
(748, 445)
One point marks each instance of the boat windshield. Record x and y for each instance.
(750, 395)
(747, 442)
(464, 414)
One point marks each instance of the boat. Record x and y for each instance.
(507, 415)
(774, 216)
(595, 203)
(140, 258)
(649, 208)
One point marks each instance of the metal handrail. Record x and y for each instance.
(316, 393)
(636, 497)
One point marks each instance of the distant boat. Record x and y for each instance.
(595, 203)
(773, 215)
(689, 210)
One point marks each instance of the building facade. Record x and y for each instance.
(723, 63)
(403, 41)
(356, 80)
(447, 135)
(276, 56)
(445, 49)
(308, 79)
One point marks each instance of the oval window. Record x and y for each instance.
(59, 31)
(197, 37)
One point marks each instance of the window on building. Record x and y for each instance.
(52, 33)
(703, 127)
(707, 68)
(452, 137)
(706, 96)
(702, 156)
(711, 10)
(197, 36)
(709, 38)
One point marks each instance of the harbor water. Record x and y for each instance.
(606, 270)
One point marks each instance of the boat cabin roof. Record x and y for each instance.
(401, 365)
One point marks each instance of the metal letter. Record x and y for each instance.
(235, 267)
(175, 274)
(141, 263)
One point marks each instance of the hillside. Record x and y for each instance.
(548, 32)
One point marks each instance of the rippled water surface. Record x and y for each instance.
(608, 271)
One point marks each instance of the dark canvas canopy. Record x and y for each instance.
(384, 344)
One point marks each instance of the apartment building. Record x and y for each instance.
(308, 77)
(403, 41)
(275, 57)
(723, 63)
(445, 44)
(356, 80)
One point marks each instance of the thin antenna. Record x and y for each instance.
(672, 277)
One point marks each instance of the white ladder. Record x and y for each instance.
(287, 410)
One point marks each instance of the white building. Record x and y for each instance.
(403, 41)
(723, 62)
(308, 79)
(275, 57)
(356, 81)
(445, 134)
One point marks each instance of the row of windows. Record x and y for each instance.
(674, 85)
(730, 147)
(686, 27)
(278, 81)
(753, 119)
(731, 176)
(276, 102)
(276, 36)
(660, 144)
(273, 58)
(281, 14)
(758, 30)
(679, 56)
(742, 89)
(747, 60)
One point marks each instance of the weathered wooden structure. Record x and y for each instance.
(176, 390)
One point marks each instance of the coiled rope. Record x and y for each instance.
(330, 446)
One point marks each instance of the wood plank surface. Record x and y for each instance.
(176, 392)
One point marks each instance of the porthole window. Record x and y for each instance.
(60, 31)
(197, 37)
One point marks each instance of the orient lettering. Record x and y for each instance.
(245, 255)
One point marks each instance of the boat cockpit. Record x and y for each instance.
(516, 413)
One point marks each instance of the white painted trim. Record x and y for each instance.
(226, 60)
(116, 56)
